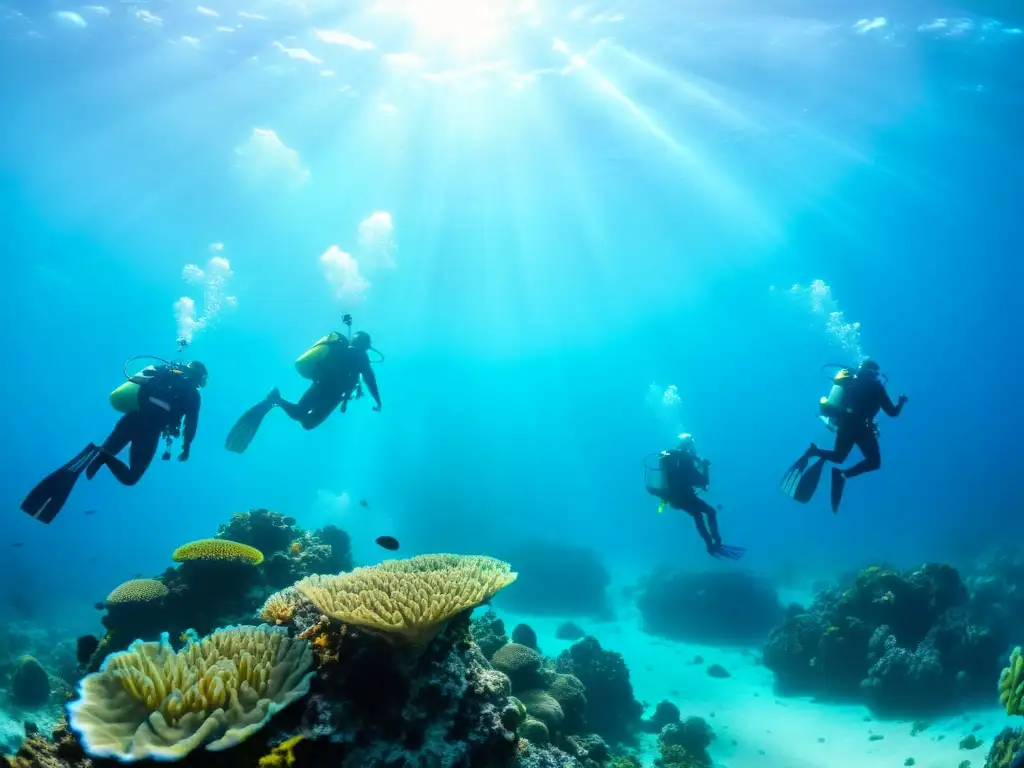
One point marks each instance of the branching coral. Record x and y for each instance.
(408, 599)
(217, 549)
(1011, 684)
(151, 702)
(280, 606)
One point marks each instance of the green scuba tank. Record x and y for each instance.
(832, 407)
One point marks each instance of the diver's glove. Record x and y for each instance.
(903, 399)
(185, 453)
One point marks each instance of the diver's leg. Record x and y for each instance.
(145, 443)
(845, 438)
(323, 407)
(691, 505)
(867, 441)
(116, 441)
(711, 514)
(297, 411)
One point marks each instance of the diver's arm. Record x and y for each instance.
(891, 410)
(704, 474)
(371, 380)
(191, 422)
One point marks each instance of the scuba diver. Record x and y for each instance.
(849, 410)
(682, 474)
(335, 366)
(160, 401)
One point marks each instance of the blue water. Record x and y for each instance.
(580, 208)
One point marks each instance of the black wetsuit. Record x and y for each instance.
(334, 388)
(683, 473)
(166, 400)
(867, 397)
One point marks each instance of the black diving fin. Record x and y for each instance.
(47, 499)
(246, 427)
(805, 487)
(800, 482)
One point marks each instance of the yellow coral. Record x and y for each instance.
(137, 591)
(1011, 684)
(151, 702)
(282, 754)
(280, 607)
(408, 599)
(217, 549)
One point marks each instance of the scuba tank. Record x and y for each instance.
(832, 407)
(310, 363)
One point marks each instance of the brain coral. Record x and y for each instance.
(137, 591)
(408, 599)
(217, 549)
(541, 706)
(151, 702)
(520, 663)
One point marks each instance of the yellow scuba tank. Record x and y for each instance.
(309, 363)
(833, 406)
(125, 399)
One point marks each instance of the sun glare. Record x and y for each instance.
(463, 27)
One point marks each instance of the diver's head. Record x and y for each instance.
(361, 340)
(869, 369)
(197, 373)
(687, 444)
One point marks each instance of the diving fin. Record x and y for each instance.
(46, 500)
(803, 490)
(838, 484)
(798, 467)
(246, 427)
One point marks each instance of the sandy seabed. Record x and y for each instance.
(755, 727)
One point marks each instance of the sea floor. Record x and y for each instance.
(756, 728)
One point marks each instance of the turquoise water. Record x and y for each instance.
(573, 230)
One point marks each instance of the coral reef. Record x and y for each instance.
(1011, 684)
(375, 668)
(520, 664)
(245, 576)
(612, 711)
(151, 702)
(685, 745)
(666, 713)
(902, 642)
(408, 600)
(557, 579)
(524, 635)
(715, 606)
(30, 685)
(488, 632)
(261, 529)
(1005, 747)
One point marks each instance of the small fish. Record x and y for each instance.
(89, 512)
(388, 542)
(100, 606)
(87, 645)
(719, 507)
(364, 503)
(18, 544)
